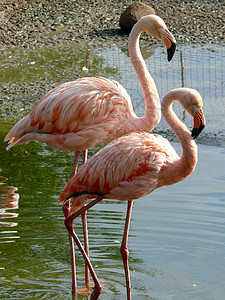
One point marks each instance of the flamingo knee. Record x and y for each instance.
(69, 224)
(124, 252)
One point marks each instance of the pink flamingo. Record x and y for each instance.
(133, 166)
(81, 114)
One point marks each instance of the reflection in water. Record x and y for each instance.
(8, 200)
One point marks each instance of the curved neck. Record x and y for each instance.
(186, 164)
(152, 102)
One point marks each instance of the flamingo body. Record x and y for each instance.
(126, 169)
(77, 115)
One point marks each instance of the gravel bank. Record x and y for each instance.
(37, 23)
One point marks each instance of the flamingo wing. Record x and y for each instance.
(89, 107)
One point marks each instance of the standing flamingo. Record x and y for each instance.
(81, 114)
(133, 166)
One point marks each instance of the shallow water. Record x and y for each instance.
(177, 234)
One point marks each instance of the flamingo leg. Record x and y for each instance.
(66, 210)
(85, 233)
(75, 163)
(69, 225)
(124, 250)
(86, 247)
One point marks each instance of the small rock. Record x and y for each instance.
(132, 14)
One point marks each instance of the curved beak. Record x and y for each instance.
(171, 51)
(199, 123)
(170, 43)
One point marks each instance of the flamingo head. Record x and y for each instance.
(193, 105)
(199, 123)
(155, 26)
(191, 101)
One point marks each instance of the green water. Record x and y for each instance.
(177, 235)
(27, 75)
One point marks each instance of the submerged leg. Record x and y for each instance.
(66, 210)
(69, 225)
(124, 250)
(97, 288)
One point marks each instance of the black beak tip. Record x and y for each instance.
(171, 51)
(197, 131)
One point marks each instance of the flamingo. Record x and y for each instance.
(86, 112)
(133, 166)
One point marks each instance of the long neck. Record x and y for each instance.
(184, 166)
(152, 102)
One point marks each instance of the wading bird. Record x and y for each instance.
(133, 166)
(86, 112)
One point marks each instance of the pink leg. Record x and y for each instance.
(86, 247)
(85, 232)
(66, 210)
(69, 225)
(124, 250)
(85, 152)
(75, 163)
